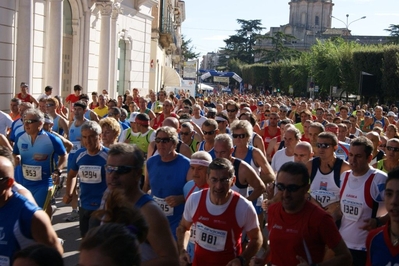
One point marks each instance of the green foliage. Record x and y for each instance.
(330, 63)
(187, 50)
(240, 45)
(280, 50)
(394, 33)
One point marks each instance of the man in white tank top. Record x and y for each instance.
(361, 199)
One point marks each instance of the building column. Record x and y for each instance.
(54, 44)
(104, 70)
(116, 10)
(24, 44)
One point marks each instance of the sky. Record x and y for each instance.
(209, 22)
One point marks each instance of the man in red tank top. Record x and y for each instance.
(220, 216)
(272, 130)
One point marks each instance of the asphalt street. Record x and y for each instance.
(68, 231)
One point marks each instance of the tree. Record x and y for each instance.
(280, 50)
(240, 46)
(394, 33)
(187, 49)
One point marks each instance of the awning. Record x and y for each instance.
(170, 77)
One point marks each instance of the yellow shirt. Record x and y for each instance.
(101, 112)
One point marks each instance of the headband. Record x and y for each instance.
(200, 162)
(142, 122)
(219, 118)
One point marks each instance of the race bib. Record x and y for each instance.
(90, 174)
(352, 210)
(324, 197)
(4, 261)
(76, 146)
(32, 172)
(209, 238)
(192, 233)
(164, 206)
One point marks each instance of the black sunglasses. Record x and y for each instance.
(289, 188)
(31, 121)
(50, 105)
(120, 170)
(185, 133)
(163, 140)
(390, 148)
(323, 145)
(231, 111)
(209, 132)
(240, 136)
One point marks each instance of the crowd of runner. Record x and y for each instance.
(218, 180)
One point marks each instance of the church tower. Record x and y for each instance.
(311, 15)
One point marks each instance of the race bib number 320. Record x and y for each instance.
(209, 238)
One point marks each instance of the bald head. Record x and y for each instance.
(374, 137)
(303, 152)
(171, 122)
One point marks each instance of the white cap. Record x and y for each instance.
(390, 113)
(132, 118)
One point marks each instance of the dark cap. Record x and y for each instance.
(260, 103)
(142, 117)
(367, 114)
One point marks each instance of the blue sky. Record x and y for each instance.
(209, 22)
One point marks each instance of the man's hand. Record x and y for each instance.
(302, 262)
(369, 224)
(174, 201)
(184, 258)
(234, 262)
(67, 199)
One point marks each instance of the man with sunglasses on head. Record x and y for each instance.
(298, 230)
(166, 175)
(35, 151)
(88, 163)
(220, 216)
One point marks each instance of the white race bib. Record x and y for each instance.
(32, 172)
(4, 261)
(352, 210)
(164, 206)
(90, 174)
(324, 197)
(209, 238)
(76, 146)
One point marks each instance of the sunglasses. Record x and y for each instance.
(209, 132)
(240, 136)
(50, 105)
(120, 170)
(185, 133)
(390, 148)
(289, 188)
(5, 178)
(220, 122)
(323, 145)
(231, 110)
(163, 140)
(382, 146)
(222, 180)
(31, 121)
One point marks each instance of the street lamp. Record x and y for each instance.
(347, 23)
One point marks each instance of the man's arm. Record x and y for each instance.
(248, 175)
(255, 242)
(63, 123)
(258, 143)
(70, 186)
(43, 232)
(183, 235)
(267, 174)
(185, 150)
(146, 185)
(94, 116)
(159, 236)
